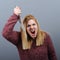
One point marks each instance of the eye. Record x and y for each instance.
(34, 24)
(28, 25)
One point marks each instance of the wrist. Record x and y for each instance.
(17, 16)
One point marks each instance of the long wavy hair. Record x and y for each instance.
(26, 41)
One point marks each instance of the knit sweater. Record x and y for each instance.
(43, 52)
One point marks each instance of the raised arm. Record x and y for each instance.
(8, 32)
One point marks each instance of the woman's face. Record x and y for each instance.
(32, 28)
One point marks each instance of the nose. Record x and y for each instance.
(31, 26)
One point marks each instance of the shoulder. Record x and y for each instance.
(45, 34)
(48, 39)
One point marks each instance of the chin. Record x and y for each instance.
(33, 37)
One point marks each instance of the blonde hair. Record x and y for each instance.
(26, 44)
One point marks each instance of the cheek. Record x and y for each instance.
(36, 27)
(27, 29)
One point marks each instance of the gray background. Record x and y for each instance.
(46, 11)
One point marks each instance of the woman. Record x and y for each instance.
(32, 43)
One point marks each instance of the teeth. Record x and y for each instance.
(32, 30)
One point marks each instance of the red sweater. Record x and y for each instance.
(43, 52)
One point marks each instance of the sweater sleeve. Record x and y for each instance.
(8, 32)
(51, 49)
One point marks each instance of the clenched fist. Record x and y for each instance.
(17, 10)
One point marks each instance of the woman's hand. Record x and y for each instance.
(17, 10)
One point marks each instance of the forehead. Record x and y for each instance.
(31, 21)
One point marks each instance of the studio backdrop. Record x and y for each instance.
(47, 13)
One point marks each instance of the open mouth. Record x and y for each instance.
(33, 32)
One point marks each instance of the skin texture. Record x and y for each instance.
(17, 10)
(32, 28)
